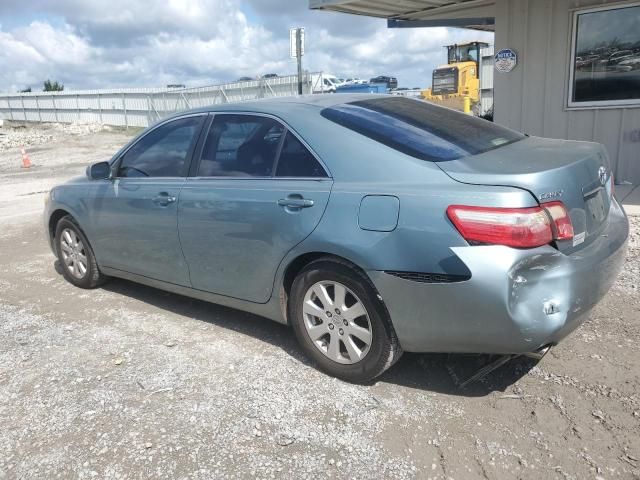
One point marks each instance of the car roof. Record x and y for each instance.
(276, 105)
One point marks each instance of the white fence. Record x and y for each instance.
(412, 93)
(141, 107)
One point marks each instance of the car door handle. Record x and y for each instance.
(163, 199)
(295, 202)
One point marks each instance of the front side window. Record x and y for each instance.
(240, 146)
(605, 66)
(297, 161)
(421, 129)
(163, 151)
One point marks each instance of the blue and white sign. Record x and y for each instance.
(506, 60)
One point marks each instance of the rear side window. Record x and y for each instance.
(240, 146)
(296, 161)
(421, 129)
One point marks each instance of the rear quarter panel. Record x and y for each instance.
(424, 236)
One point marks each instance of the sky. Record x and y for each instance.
(87, 44)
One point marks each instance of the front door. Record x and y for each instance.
(257, 193)
(133, 217)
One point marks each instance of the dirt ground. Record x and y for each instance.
(131, 382)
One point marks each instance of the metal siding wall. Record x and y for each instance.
(487, 68)
(555, 120)
(510, 27)
(534, 78)
(487, 101)
(580, 125)
(629, 153)
(533, 97)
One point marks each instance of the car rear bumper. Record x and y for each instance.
(516, 301)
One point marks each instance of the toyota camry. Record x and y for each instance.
(371, 224)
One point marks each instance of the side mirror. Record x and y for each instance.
(99, 171)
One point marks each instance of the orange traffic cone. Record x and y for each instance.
(26, 162)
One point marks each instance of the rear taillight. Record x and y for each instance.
(563, 229)
(513, 227)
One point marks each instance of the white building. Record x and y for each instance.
(577, 63)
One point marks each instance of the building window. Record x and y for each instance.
(605, 63)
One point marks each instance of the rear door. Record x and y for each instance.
(134, 219)
(258, 191)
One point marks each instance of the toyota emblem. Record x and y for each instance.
(602, 175)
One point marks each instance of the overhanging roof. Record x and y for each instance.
(476, 14)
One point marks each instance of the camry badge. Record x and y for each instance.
(602, 175)
(551, 195)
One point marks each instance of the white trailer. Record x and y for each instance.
(323, 83)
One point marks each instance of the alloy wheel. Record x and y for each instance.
(337, 322)
(74, 255)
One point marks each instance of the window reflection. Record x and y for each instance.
(607, 55)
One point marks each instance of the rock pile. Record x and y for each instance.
(15, 135)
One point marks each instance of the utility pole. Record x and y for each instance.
(299, 58)
(296, 50)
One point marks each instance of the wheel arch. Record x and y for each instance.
(295, 266)
(299, 262)
(58, 214)
(54, 218)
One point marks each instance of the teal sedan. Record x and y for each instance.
(371, 224)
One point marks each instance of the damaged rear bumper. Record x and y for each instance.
(516, 301)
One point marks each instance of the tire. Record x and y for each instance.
(74, 252)
(312, 318)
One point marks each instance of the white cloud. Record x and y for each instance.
(58, 47)
(93, 44)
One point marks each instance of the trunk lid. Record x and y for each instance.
(575, 173)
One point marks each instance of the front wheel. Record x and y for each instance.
(341, 323)
(79, 265)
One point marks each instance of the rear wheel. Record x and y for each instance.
(79, 265)
(341, 323)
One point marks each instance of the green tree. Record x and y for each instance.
(54, 86)
(26, 90)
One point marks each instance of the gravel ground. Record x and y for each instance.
(131, 382)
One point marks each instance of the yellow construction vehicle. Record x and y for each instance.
(459, 79)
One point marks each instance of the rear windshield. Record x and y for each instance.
(421, 129)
